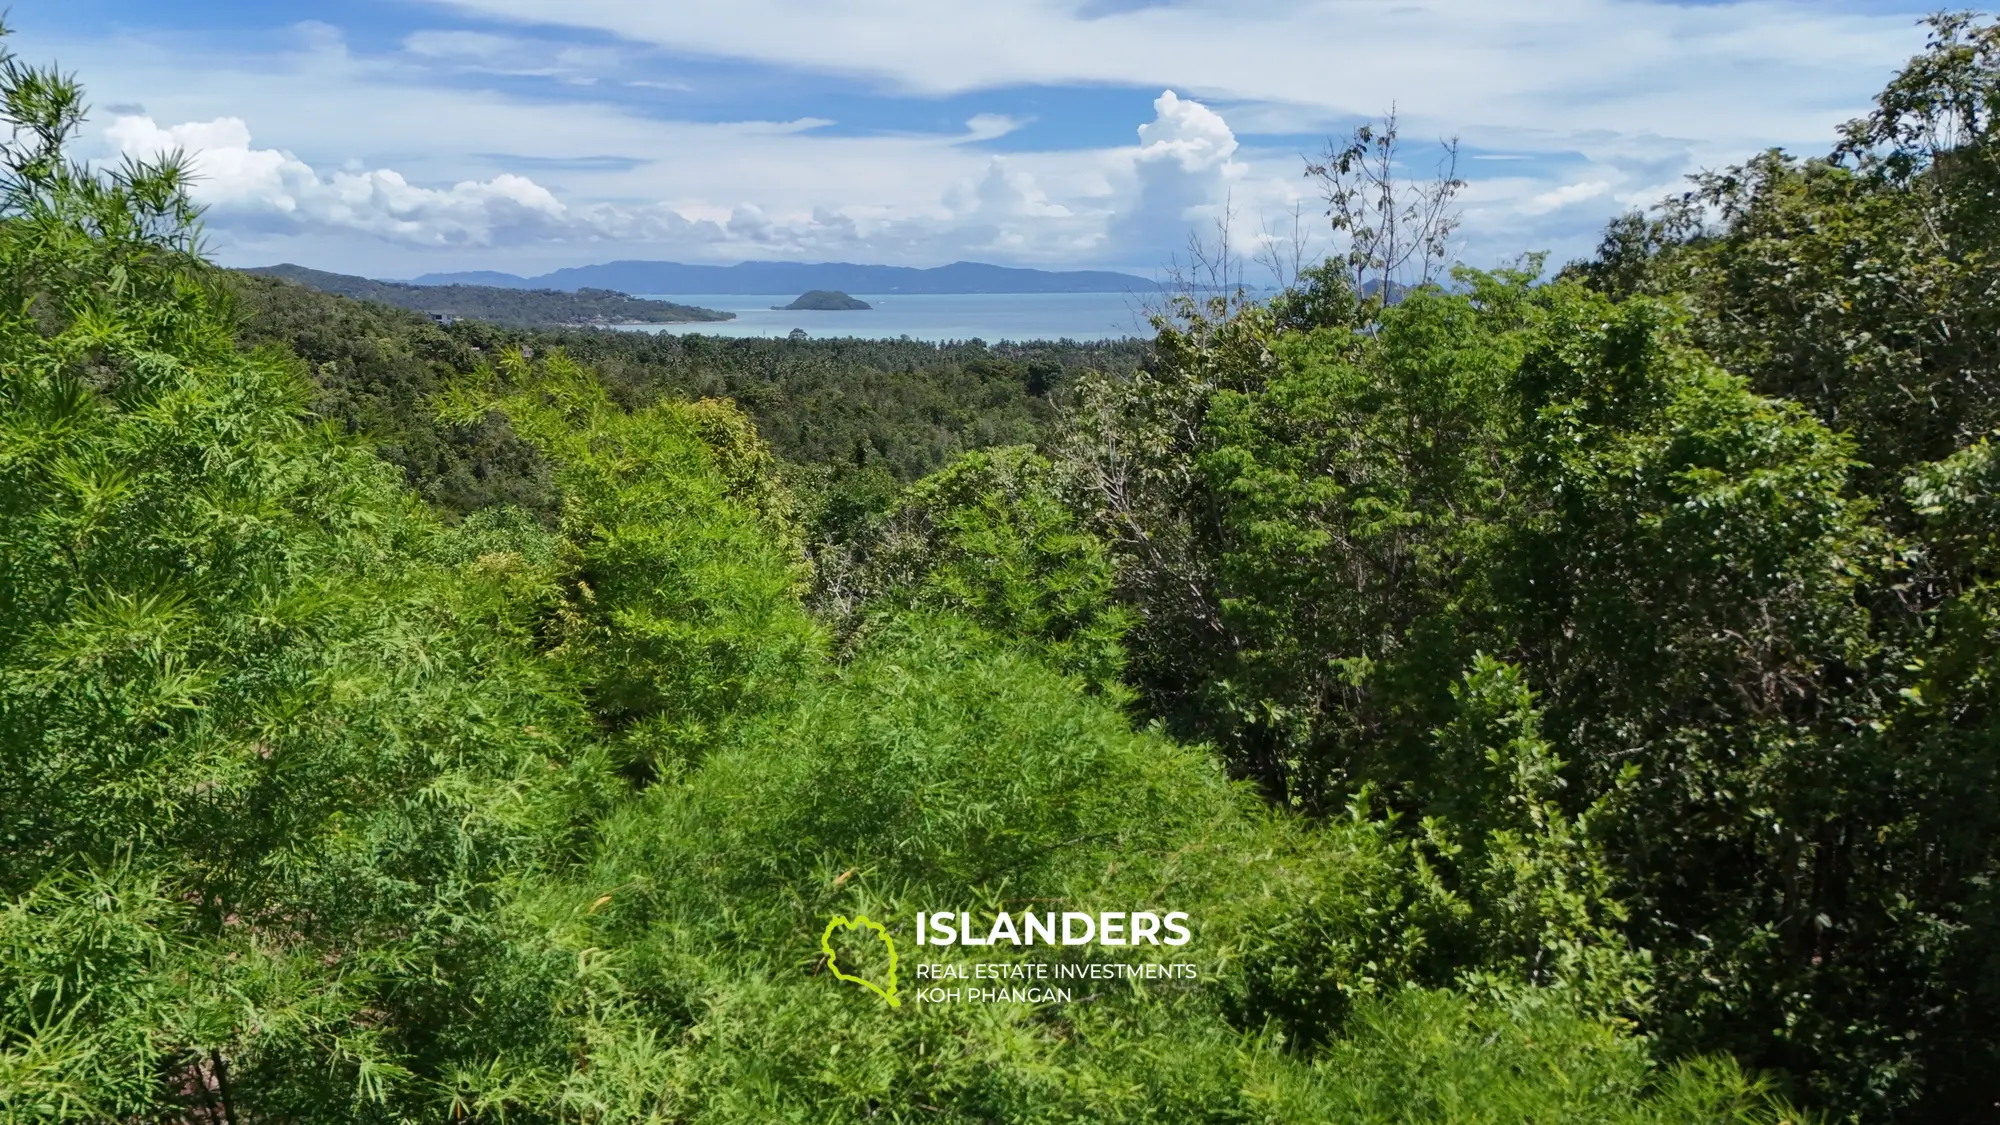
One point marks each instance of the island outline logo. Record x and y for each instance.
(861, 921)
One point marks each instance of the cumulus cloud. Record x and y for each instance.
(261, 185)
(1186, 132)
(253, 191)
(1137, 201)
(1183, 175)
(1006, 191)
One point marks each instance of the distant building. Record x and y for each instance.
(798, 334)
(442, 320)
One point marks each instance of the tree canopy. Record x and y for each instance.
(1551, 699)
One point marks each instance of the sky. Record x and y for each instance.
(397, 137)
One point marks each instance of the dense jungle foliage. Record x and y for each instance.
(1552, 700)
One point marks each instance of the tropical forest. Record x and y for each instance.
(1554, 693)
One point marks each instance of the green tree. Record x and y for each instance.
(268, 755)
(993, 537)
(1320, 527)
(1860, 283)
(683, 562)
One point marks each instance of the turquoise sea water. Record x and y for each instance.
(953, 316)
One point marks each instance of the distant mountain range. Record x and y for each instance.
(519, 305)
(791, 278)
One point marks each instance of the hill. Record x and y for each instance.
(777, 278)
(824, 300)
(517, 307)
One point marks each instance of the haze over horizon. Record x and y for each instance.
(395, 138)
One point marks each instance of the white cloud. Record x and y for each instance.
(479, 45)
(989, 126)
(261, 185)
(1007, 192)
(779, 128)
(1739, 72)
(1564, 196)
(1116, 201)
(1184, 177)
(1187, 132)
(485, 52)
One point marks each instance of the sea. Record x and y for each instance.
(991, 317)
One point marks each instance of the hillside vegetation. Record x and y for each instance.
(1555, 700)
(851, 420)
(522, 308)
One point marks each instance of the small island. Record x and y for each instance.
(823, 300)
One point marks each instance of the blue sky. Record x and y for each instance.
(395, 137)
